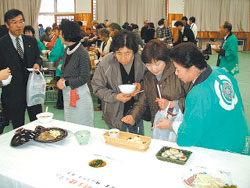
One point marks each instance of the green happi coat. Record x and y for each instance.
(214, 117)
(230, 61)
(40, 46)
(56, 53)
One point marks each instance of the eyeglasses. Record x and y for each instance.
(17, 22)
(149, 65)
(126, 54)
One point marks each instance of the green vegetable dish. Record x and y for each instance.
(97, 163)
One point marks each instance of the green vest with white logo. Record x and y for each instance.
(214, 117)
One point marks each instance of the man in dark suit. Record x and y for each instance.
(144, 30)
(18, 52)
(184, 34)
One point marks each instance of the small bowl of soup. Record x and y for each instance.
(114, 133)
(45, 117)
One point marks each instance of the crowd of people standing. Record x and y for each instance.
(170, 76)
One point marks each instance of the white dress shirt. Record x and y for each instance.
(13, 38)
(194, 28)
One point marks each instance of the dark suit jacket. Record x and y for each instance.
(143, 32)
(187, 36)
(149, 35)
(14, 94)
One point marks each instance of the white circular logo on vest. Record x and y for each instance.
(225, 92)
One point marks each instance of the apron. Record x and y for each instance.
(83, 113)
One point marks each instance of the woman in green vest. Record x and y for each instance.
(214, 116)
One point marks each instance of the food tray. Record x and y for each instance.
(123, 142)
(168, 159)
(207, 178)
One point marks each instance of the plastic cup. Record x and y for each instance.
(82, 137)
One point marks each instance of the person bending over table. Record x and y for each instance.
(214, 117)
(122, 66)
(172, 90)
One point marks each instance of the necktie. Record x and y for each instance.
(19, 48)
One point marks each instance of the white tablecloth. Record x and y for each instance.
(65, 163)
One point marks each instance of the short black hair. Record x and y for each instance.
(79, 23)
(71, 31)
(187, 55)
(184, 18)
(104, 32)
(129, 28)
(125, 25)
(3, 30)
(54, 25)
(161, 22)
(99, 26)
(227, 25)
(178, 23)
(151, 25)
(48, 29)
(155, 50)
(134, 26)
(114, 26)
(122, 39)
(28, 28)
(10, 14)
(192, 19)
(88, 28)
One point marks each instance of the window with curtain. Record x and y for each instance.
(30, 9)
(132, 11)
(66, 6)
(47, 6)
(94, 9)
(212, 13)
(46, 13)
(51, 7)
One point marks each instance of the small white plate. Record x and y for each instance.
(31, 69)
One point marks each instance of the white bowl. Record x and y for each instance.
(45, 117)
(114, 133)
(127, 88)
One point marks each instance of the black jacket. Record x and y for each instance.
(187, 36)
(149, 35)
(143, 31)
(14, 94)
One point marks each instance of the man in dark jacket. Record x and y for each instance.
(184, 34)
(18, 52)
(144, 29)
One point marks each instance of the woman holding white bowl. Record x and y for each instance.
(122, 66)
